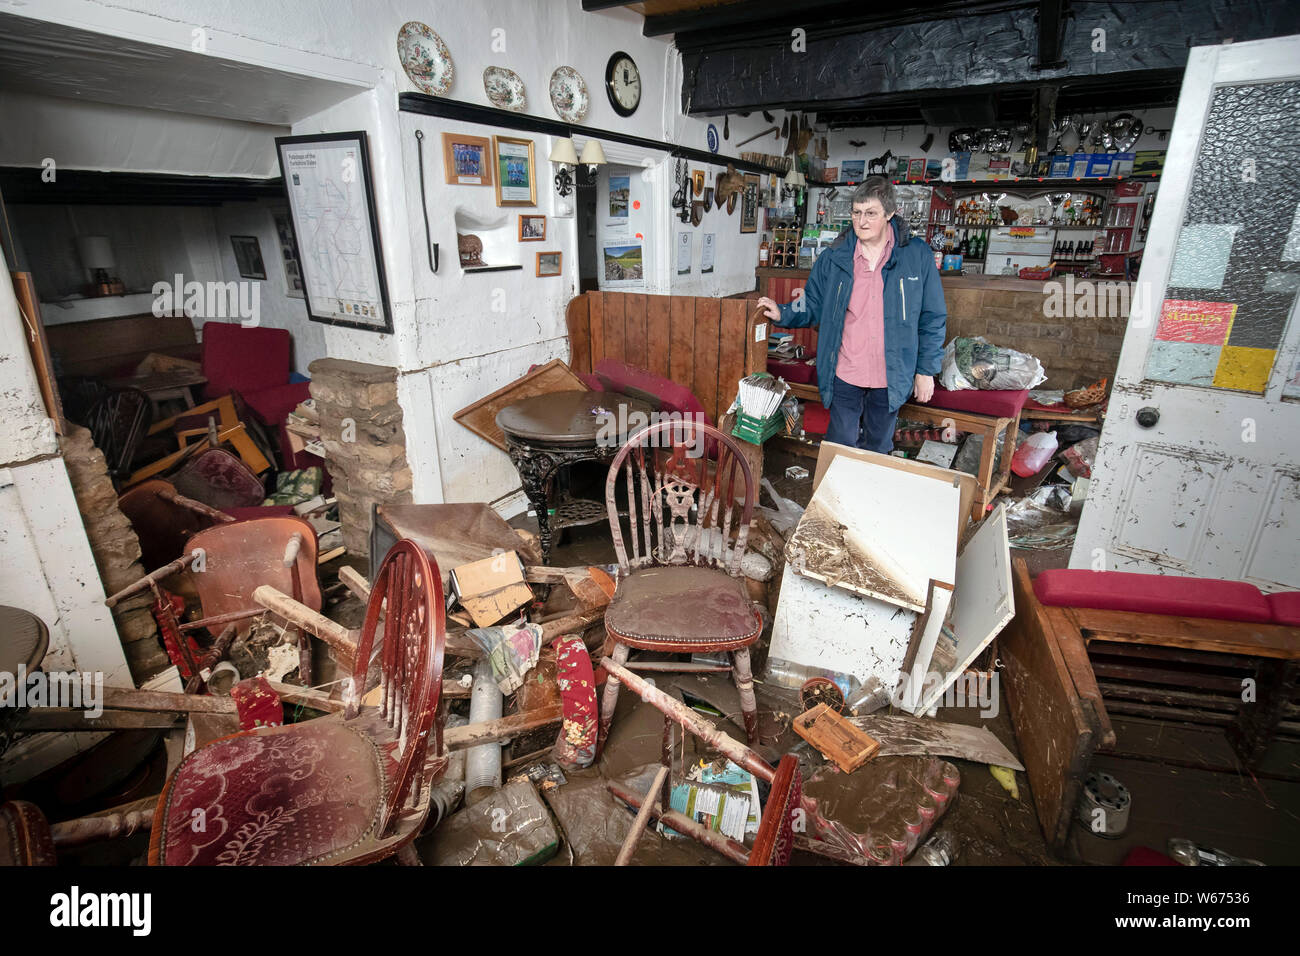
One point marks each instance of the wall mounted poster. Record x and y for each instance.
(516, 183)
(620, 194)
(623, 263)
(335, 229)
(288, 254)
(706, 253)
(683, 253)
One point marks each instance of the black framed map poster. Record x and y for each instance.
(332, 209)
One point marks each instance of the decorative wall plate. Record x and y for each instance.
(504, 89)
(425, 58)
(569, 95)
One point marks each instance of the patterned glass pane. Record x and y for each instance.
(1236, 267)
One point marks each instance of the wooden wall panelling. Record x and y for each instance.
(732, 354)
(577, 316)
(615, 325)
(708, 328)
(636, 347)
(659, 339)
(681, 335)
(596, 325)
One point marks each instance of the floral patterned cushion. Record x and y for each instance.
(304, 793)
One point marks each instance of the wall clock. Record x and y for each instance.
(623, 84)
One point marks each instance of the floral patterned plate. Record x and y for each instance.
(425, 58)
(569, 95)
(504, 89)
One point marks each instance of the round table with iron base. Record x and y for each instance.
(547, 433)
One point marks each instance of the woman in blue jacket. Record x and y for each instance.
(875, 298)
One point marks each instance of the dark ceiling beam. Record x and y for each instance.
(771, 21)
(969, 54)
(595, 6)
(23, 184)
(1051, 34)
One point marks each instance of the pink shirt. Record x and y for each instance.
(862, 349)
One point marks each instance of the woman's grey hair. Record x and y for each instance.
(877, 187)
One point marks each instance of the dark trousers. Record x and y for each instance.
(860, 418)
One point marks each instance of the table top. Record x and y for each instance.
(23, 639)
(159, 381)
(576, 417)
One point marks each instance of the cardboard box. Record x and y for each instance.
(491, 588)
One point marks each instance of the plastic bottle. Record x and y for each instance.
(939, 850)
(1033, 453)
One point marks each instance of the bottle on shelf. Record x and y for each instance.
(765, 254)
(1008, 269)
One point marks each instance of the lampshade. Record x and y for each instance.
(96, 252)
(593, 154)
(562, 151)
(795, 178)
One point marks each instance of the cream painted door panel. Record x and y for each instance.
(1198, 468)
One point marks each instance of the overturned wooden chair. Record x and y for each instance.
(679, 589)
(351, 787)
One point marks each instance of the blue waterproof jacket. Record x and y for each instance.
(916, 317)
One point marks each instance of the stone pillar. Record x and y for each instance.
(116, 549)
(365, 444)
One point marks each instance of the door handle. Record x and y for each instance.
(1148, 416)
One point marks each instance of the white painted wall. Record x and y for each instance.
(46, 565)
(82, 134)
(278, 309)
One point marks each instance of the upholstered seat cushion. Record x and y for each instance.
(303, 793)
(1285, 607)
(1152, 594)
(682, 606)
(996, 403)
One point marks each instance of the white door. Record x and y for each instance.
(1198, 470)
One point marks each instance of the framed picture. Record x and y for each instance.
(531, 228)
(749, 204)
(248, 257)
(288, 253)
(516, 183)
(548, 263)
(467, 160)
(916, 168)
(335, 229)
(697, 181)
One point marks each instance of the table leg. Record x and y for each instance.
(536, 470)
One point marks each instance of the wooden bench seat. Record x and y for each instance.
(1059, 708)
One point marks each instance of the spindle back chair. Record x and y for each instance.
(690, 498)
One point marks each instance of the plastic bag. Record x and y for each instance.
(1033, 453)
(976, 363)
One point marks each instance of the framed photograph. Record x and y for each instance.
(516, 182)
(548, 263)
(467, 160)
(531, 228)
(749, 204)
(340, 264)
(288, 253)
(853, 170)
(248, 257)
(916, 168)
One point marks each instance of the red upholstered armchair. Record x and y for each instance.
(256, 364)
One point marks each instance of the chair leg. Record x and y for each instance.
(744, 679)
(610, 700)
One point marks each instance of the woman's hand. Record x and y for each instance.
(923, 388)
(769, 308)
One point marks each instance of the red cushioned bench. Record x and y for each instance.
(1086, 644)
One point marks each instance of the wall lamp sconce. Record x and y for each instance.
(565, 155)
